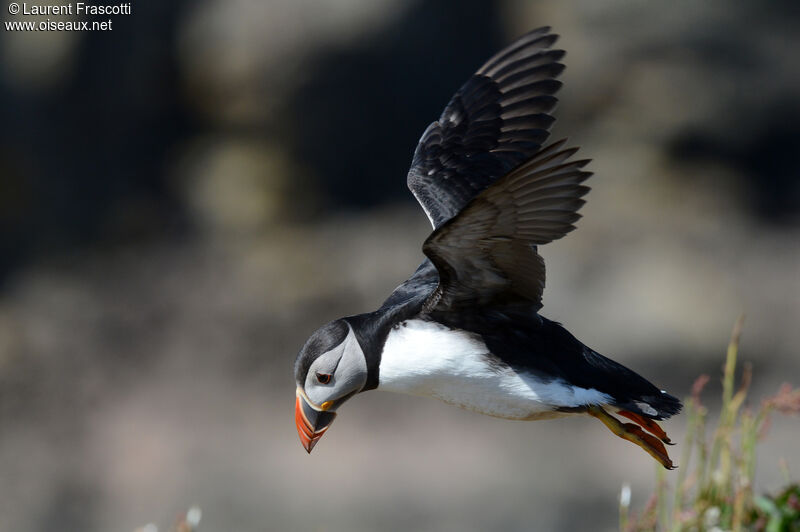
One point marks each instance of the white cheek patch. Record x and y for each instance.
(325, 363)
(347, 364)
(351, 374)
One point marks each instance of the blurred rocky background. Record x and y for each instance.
(184, 199)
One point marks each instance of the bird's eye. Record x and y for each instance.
(324, 378)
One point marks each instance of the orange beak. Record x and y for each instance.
(311, 422)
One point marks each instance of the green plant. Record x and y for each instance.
(713, 489)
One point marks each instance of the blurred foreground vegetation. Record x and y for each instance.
(715, 491)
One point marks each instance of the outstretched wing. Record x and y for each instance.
(497, 120)
(487, 254)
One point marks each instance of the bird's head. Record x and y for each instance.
(330, 368)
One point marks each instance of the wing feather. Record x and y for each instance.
(498, 119)
(487, 254)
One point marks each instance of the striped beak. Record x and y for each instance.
(312, 422)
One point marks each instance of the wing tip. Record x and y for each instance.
(530, 44)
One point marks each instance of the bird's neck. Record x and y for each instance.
(371, 330)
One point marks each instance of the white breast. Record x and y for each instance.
(428, 359)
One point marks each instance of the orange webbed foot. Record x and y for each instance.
(647, 424)
(633, 433)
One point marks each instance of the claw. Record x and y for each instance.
(634, 433)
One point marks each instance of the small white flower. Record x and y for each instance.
(625, 495)
(711, 517)
(193, 516)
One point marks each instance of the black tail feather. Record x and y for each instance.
(658, 407)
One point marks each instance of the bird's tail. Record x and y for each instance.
(658, 406)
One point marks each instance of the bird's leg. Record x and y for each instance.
(633, 433)
(647, 424)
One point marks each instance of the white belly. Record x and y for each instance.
(425, 358)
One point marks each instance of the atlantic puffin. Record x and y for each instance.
(465, 328)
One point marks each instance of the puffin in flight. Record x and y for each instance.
(465, 328)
